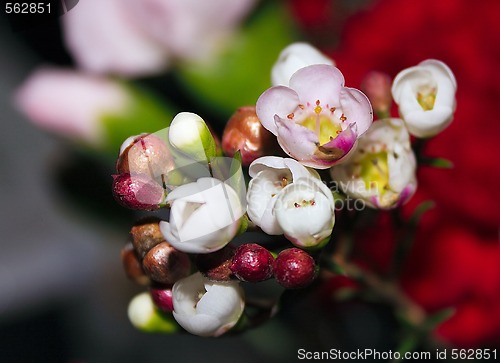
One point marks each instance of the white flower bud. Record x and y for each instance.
(305, 210)
(425, 95)
(190, 134)
(294, 57)
(145, 316)
(207, 308)
(205, 216)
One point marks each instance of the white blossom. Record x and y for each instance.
(425, 95)
(206, 308)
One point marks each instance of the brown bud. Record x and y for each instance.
(216, 265)
(244, 132)
(377, 86)
(294, 268)
(145, 235)
(166, 265)
(137, 192)
(146, 154)
(132, 266)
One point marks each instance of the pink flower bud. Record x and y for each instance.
(162, 297)
(137, 192)
(377, 86)
(166, 265)
(245, 133)
(252, 263)
(294, 268)
(145, 154)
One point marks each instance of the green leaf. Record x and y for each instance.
(146, 113)
(438, 163)
(419, 212)
(408, 344)
(242, 71)
(345, 294)
(436, 319)
(332, 266)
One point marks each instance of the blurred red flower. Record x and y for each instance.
(456, 258)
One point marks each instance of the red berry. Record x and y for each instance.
(294, 268)
(252, 263)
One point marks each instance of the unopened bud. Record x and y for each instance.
(294, 268)
(189, 134)
(144, 315)
(216, 265)
(252, 263)
(137, 192)
(132, 266)
(145, 235)
(377, 86)
(145, 154)
(244, 132)
(166, 265)
(162, 297)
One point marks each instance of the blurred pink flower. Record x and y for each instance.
(104, 36)
(134, 38)
(69, 102)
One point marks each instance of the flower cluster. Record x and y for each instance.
(194, 267)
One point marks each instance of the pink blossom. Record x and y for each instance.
(316, 119)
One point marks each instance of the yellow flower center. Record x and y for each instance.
(322, 123)
(426, 97)
(375, 172)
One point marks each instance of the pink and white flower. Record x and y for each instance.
(316, 119)
(381, 171)
(425, 95)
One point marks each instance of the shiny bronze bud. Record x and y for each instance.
(145, 235)
(245, 133)
(216, 265)
(165, 264)
(132, 266)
